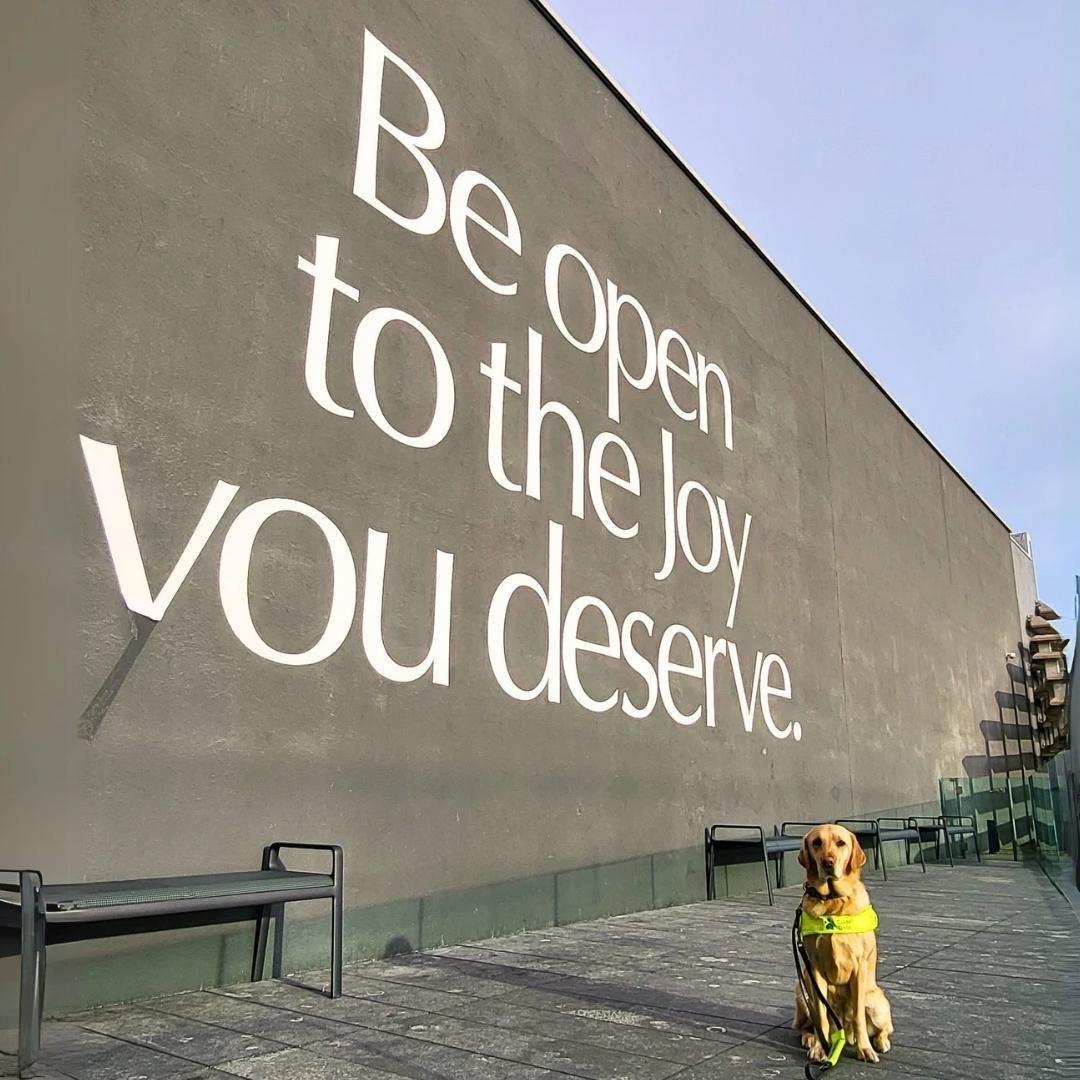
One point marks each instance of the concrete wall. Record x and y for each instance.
(217, 141)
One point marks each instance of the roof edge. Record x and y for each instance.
(598, 69)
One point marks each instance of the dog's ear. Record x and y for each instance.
(804, 855)
(858, 856)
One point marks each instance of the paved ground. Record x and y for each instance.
(981, 964)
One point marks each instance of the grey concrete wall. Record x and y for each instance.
(216, 141)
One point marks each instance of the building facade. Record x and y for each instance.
(451, 478)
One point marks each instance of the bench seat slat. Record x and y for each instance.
(205, 886)
(99, 900)
(151, 909)
(782, 843)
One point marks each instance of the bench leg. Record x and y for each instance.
(975, 841)
(948, 848)
(710, 880)
(31, 974)
(258, 956)
(879, 857)
(279, 938)
(768, 877)
(922, 858)
(336, 941)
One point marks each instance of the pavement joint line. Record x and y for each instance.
(998, 975)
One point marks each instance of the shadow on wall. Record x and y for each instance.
(94, 713)
(396, 946)
(1005, 741)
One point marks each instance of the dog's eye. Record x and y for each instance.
(840, 843)
(817, 843)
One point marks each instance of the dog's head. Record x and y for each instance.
(831, 851)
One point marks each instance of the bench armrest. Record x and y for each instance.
(905, 821)
(29, 892)
(272, 855)
(724, 825)
(857, 825)
(962, 819)
(277, 845)
(804, 825)
(23, 874)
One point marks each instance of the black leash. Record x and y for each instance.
(805, 972)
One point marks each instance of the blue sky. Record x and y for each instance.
(914, 168)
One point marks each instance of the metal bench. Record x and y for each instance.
(950, 827)
(729, 850)
(42, 914)
(906, 832)
(802, 827)
(872, 834)
(722, 848)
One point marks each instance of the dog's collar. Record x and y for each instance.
(861, 922)
(809, 890)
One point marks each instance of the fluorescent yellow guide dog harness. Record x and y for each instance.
(862, 922)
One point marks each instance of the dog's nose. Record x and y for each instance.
(828, 861)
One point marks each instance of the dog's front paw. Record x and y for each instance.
(816, 1052)
(881, 1042)
(866, 1053)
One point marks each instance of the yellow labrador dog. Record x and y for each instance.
(845, 964)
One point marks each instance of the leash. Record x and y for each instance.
(805, 972)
